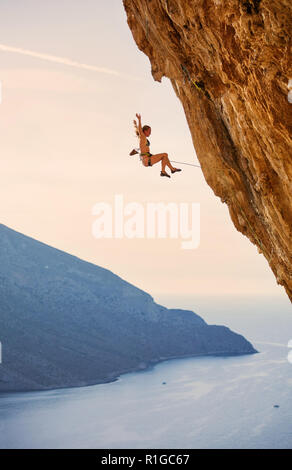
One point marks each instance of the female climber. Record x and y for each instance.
(145, 156)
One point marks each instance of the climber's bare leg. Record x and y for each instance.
(163, 157)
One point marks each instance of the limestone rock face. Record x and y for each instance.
(228, 63)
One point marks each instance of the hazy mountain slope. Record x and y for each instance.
(66, 322)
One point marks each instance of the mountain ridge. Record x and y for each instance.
(66, 322)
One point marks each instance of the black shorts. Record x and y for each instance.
(149, 155)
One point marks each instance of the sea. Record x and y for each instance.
(241, 402)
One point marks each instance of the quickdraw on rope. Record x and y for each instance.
(199, 85)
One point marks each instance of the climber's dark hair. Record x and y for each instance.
(144, 128)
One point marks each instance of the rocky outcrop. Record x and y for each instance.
(228, 64)
(65, 322)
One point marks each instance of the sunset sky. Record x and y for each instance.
(66, 131)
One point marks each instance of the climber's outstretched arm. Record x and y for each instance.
(139, 124)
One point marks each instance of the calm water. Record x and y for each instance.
(206, 402)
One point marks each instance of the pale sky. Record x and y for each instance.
(66, 132)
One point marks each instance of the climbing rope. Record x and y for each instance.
(184, 163)
(173, 161)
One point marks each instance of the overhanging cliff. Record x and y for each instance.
(228, 64)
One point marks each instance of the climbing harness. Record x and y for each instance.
(147, 154)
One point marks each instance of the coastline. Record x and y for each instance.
(116, 376)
